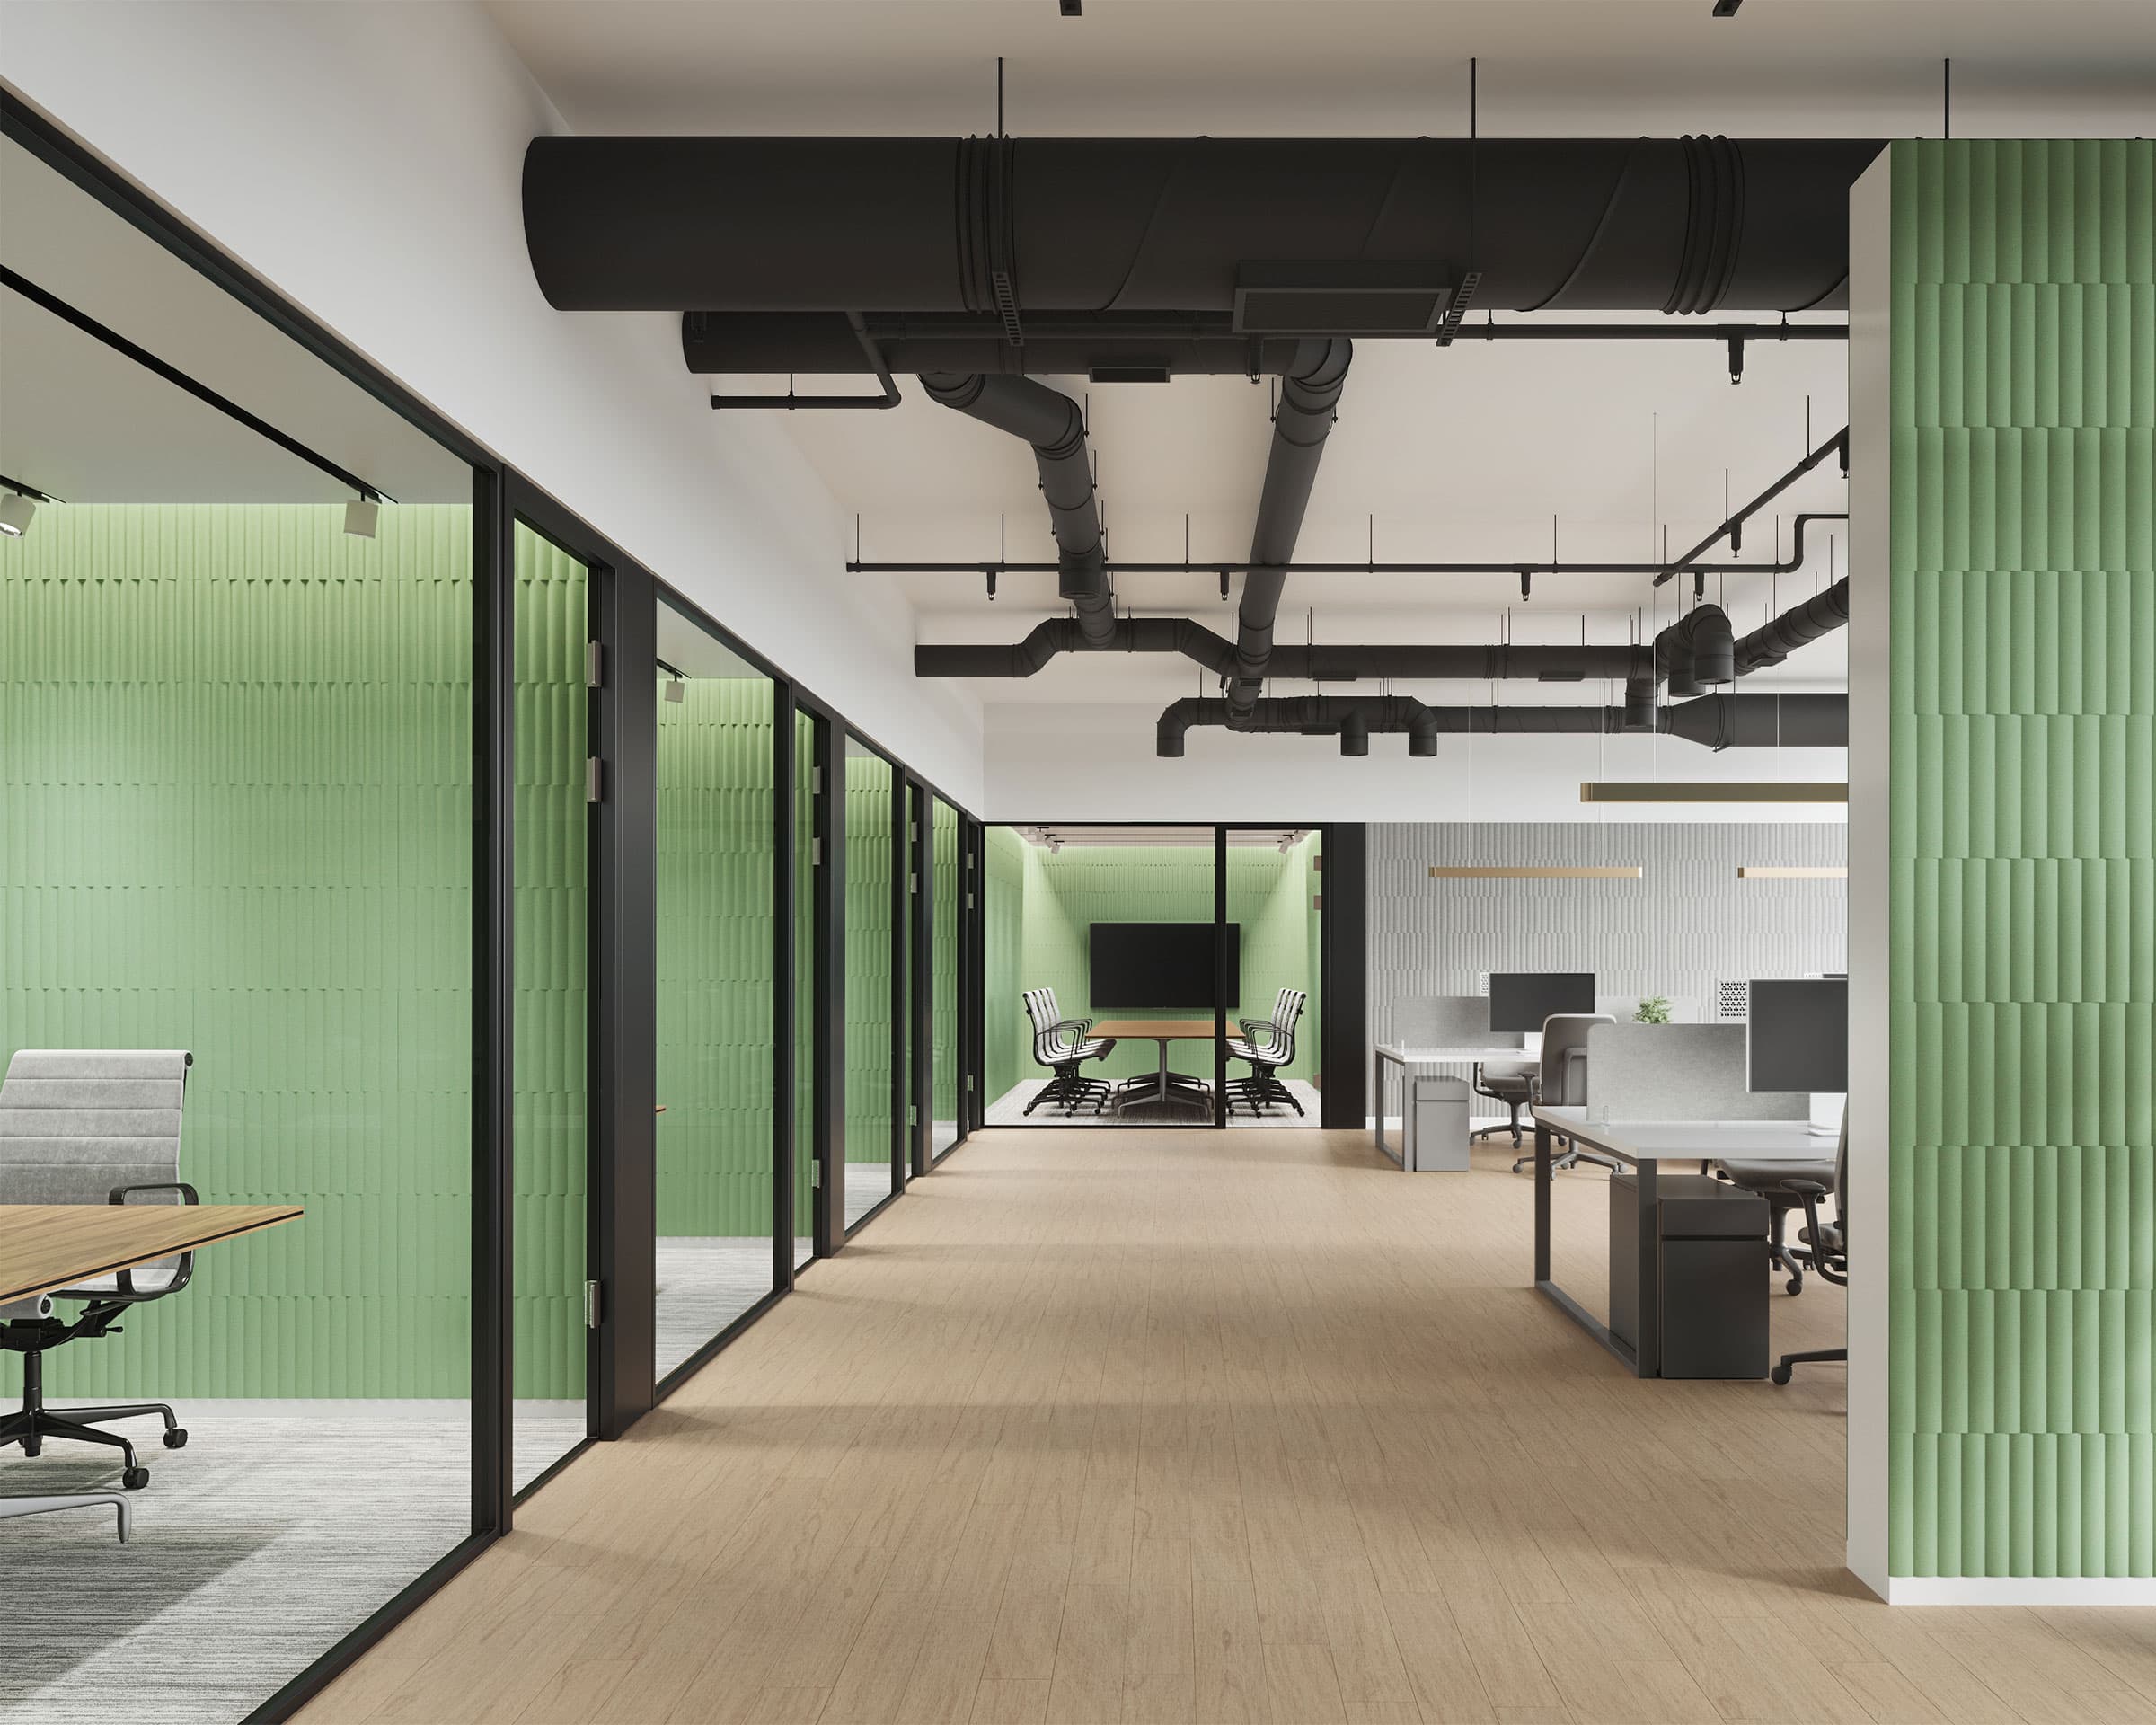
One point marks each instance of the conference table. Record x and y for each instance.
(1166, 1086)
(1644, 1145)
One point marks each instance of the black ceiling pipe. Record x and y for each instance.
(1350, 717)
(1714, 721)
(1053, 423)
(1309, 392)
(1292, 236)
(1779, 637)
(1326, 664)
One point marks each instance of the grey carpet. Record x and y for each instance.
(1010, 1109)
(274, 1533)
(704, 1284)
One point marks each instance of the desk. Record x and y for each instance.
(1162, 1031)
(1405, 1054)
(1645, 1145)
(48, 1246)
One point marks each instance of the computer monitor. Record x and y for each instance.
(1520, 1000)
(1797, 1035)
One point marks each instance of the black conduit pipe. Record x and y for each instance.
(1045, 641)
(1715, 721)
(1802, 624)
(1309, 394)
(1053, 423)
(1326, 664)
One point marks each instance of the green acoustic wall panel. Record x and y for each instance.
(1006, 1043)
(1269, 895)
(944, 911)
(551, 850)
(2023, 973)
(715, 937)
(869, 1119)
(236, 817)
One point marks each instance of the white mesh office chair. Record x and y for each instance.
(1266, 1045)
(91, 1127)
(1063, 1047)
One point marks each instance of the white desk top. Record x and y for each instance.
(1415, 1056)
(1692, 1140)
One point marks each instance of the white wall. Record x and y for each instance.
(365, 159)
(1048, 762)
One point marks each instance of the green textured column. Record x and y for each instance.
(868, 913)
(2023, 967)
(1006, 1047)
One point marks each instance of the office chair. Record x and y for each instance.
(1825, 1248)
(1562, 1081)
(1062, 1045)
(1512, 1085)
(91, 1127)
(1266, 1045)
(1778, 1183)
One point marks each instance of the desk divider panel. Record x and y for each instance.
(1448, 1021)
(1679, 1072)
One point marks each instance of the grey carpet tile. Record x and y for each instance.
(274, 1533)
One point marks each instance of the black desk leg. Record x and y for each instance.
(1542, 1202)
(1648, 1361)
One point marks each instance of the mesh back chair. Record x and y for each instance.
(1063, 1046)
(1825, 1248)
(1266, 1045)
(1562, 1081)
(90, 1127)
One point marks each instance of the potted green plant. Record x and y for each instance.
(1653, 1008)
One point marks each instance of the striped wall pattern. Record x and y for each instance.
(551, 850)
(713, 918)
(944, 910)
(868, 934)
(804, 972)
(2023, 1166)
(1006, 1057)
(236, 817)
(1685, 923)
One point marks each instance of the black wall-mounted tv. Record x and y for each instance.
(1148, 965)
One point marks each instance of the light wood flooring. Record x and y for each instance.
(1099, 1427)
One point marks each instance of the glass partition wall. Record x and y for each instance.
(714, 950)
(875, 980)
(946, 912)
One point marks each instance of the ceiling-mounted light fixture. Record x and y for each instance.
(361, 516)
(1727, 8)
(1070, 8)
(1712, 791)
(15, 511)
(1737, 358)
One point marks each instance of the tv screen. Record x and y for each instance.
(1149, 965)
(1520, 1000)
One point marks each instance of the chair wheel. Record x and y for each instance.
(134, 1479)
(1795, 1284)
(176, 1439)
(1781, 1373)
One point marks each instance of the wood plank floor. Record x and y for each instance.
(1101, 1427)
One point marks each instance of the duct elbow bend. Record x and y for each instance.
(1713, 645)
(1174, 724)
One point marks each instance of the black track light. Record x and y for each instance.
(1737, 358)
(1070, 8)
(1727, 8)
(992, 587)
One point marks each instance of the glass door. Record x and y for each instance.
(1273, 877)
(875, 980)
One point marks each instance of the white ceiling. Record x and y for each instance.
(1462, 453)
(86, 424)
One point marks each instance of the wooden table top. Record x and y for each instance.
(48, 1246)
(1159, 1030)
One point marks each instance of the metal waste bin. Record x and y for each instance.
(1714, 1274)
(1436, 1133)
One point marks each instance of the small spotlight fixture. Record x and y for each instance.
(1070, 8)
(1737, 358)
(361, 517)
(677, 690)
(15, 511)
(1727, 8)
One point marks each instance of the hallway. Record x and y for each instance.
(1184, 1426)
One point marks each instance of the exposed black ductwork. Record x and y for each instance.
(1281, 238)
(1696, 650)
(1320, 664)
(1309, 394)
(1053, 423)
(1715, 721)
(1776, 640)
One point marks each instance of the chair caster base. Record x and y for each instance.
(133, 1479)
(176, 1439)
(1782, 1372)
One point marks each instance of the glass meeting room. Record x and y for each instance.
(1108, 950)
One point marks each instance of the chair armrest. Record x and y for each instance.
(1811, 1192)
(123, 1279)
(188, 1194)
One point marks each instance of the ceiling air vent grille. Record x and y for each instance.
(1340, 298)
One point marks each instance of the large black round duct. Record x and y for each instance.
(1288, 236)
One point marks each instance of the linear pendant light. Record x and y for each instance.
(1527, 871)
(1712, 790)
(1749, 871)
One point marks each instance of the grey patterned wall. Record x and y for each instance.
(1686, 926)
